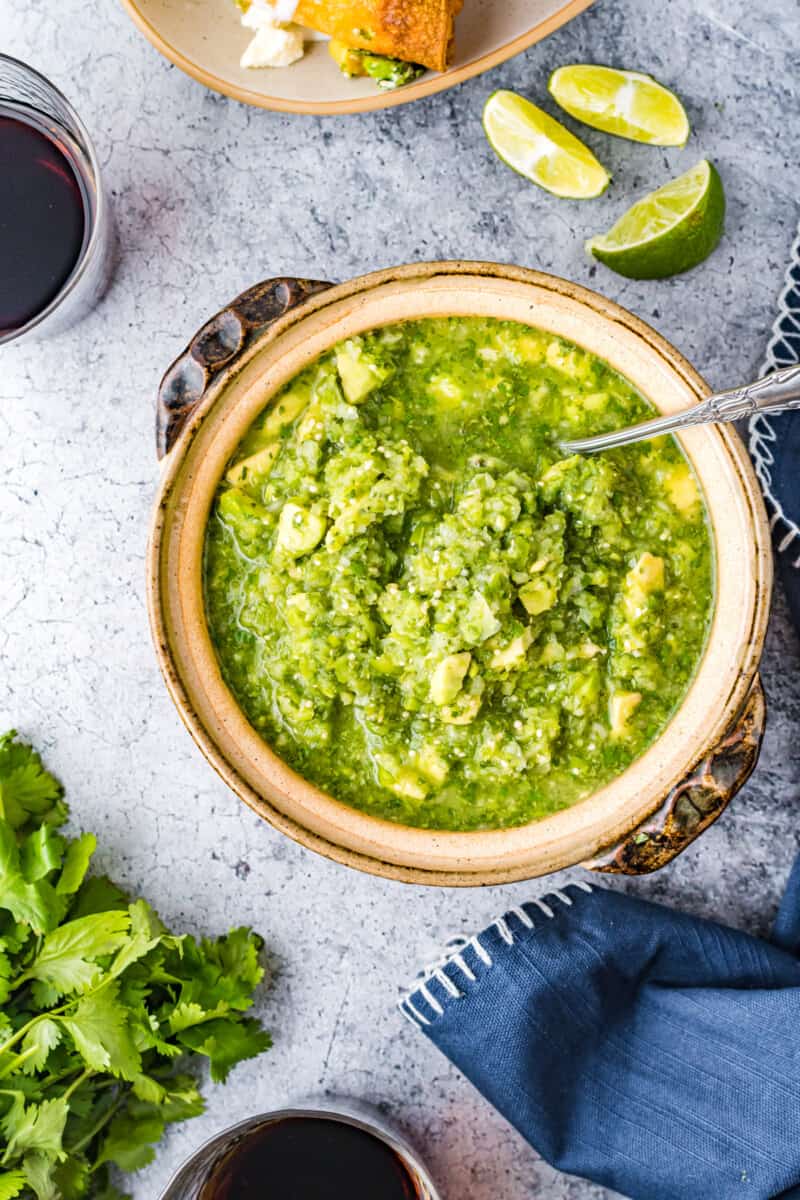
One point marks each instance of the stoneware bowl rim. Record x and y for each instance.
(186, 656)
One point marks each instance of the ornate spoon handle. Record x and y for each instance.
(773, 393)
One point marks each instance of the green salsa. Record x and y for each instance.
(424, 607)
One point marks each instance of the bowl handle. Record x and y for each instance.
(217, 347)
(696, 802)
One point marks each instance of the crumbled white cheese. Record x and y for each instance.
(284, 10)
(281, 12)
(274, 46)
(276, 43)
(269, 12)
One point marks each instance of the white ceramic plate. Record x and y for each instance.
(205, 39)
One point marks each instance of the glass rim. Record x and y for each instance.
(367, 1121)
(81, 266)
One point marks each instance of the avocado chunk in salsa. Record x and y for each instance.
(424, 607)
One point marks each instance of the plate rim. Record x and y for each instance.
(428, 86)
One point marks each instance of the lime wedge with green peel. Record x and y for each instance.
(669, 231)
(626, 103)
(541, 149)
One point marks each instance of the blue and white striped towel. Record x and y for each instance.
(775, 442)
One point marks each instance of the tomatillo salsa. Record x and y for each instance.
(430, 612)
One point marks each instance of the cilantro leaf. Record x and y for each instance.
(39, 1172)
(148, 1089)
(130, 1140)
(108, 1191)
(146, 932)
(98, 1025)
(226, 1043)
(149, 1036)
(11, 1184)
(182, 1100)
(6, 972)
(186, 1014)
(72, 1178)
(98, 894)
(217, 978)
(38, 1127)
(40, 853)
(41, 1038)
(13, 934)
(35, 904)
(68, 957)
(76, 863)
(237, 956)
(28, 793)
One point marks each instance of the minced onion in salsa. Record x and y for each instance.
(430, 612)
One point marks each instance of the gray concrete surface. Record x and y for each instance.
(211, 196)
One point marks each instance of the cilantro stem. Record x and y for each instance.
(12, 1041)
(49, 1080)
(99, 1124)
(53, 1012)
(17, 1061)
(76, 1083)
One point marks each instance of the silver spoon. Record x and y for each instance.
(774, 393)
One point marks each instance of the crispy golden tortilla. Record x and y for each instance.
(416, 31)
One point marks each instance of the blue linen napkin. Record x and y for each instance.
(650, 1051)
(653, 1052)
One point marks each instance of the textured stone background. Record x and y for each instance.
(209, 197)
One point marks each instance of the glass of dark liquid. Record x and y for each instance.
(56, 229)
(306, 1154)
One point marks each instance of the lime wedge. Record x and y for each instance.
(669, 231)
(534, 144)
(626, 103)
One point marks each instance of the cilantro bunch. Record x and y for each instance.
(100, 1005)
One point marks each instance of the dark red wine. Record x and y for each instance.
(42, 221)
(309, 1158)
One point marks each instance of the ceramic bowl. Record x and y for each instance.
(188, 1183)
(640, 820)
(206, 39)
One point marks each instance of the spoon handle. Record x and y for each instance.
(773, 393)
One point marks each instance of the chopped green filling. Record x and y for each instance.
(424, 607)
(388, 73)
